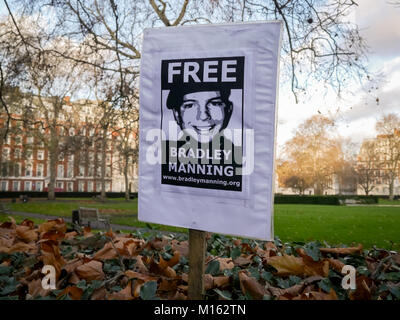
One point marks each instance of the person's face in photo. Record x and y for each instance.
(202, 113)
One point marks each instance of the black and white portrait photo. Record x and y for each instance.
(202, 102)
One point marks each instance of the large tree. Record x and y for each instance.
(315, 152)
(389, 148)
(46, 81)
(320, 41)
(368, 166)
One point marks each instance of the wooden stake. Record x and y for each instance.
(197, 252)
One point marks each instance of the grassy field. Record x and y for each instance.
(369, 225)
(64, 207)
(390, 202)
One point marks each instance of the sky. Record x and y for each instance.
(358, 111)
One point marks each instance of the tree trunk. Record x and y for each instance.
(126, 178)
(391, 187)
(103, 165)
(53, 150)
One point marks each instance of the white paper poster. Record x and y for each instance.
(207, 127)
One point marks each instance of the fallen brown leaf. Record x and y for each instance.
(92, 270)
(363, 289)
(56, 224)
(287, 265)
(221, 281)
(251, 285)
(181, 246)
(51, 255)
(26, 233)
(35, 288)
(73, 292)
(124, 294)
(342, 251)
(225, 263)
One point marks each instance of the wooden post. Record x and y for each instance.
(197, 252)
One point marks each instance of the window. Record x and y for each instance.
(17, 170)
(108, 186)
(61, 156)
(98, 186)
(3, 186)
(17, 153)
(29, 154)
(71, 131)
(90, 186)
(60, 171)
(98, 172)
(18, 140)
(91, 169)
(28, 170)
(70, 170)
(108, 172)
(29, 140)
(15, 186)
(108, 159)
(39, 186)
(70, 186)
(81, 186)
(60, 185)
(27, 186)
(6, 153)
(40, 155)
(39, 170)
(81, 172)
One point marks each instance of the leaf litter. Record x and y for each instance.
(117, 266)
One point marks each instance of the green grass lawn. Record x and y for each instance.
(391, 202)
(369, 225)
(64, 207)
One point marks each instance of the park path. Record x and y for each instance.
(372, 205)
(115, 227)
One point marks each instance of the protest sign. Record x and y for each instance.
(208, 127)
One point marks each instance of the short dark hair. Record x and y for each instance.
(175, 96)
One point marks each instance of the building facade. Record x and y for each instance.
(26, 151)
(378, 161)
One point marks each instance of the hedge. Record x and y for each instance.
(279, 198)
(298, 199)
(325, 200)
(37, 194)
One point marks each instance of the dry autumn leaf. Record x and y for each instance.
(73, 292)
(51, 255)
(251, 285)
(124, 294)
(225, 263)
(342, 251)
(35, 288)
(26, 233)
(56, 224)
(221, 281)
(92, 270)
(29, 248)
(287, 265)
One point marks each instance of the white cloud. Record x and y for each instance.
(379, 22)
